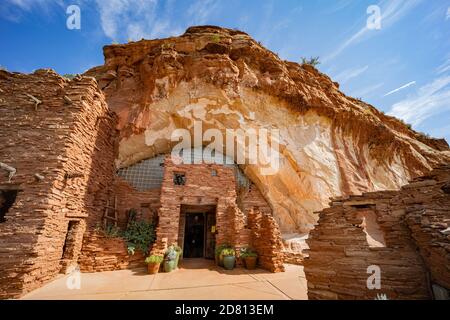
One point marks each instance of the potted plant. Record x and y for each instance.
(169, 260)
(153, 262)
(250, 256)
(179, 252)
(228, 258)
(218, 254)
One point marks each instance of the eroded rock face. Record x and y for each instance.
(330, 144)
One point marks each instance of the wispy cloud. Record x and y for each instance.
(338, 5)
(447, 17)
(444, 67)
(13, 10)
(348, 74)
(429, 100)
(201, 10)
(391, 12)
(367, 91)
(400, 88)
(27, 5)
(136, 19)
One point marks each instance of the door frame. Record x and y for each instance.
(206, 210)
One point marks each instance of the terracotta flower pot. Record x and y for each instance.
(250, 262)
(153, 268)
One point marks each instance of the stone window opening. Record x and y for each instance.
(214, 173)
(7, 199)
(370, 226)
(179, 178)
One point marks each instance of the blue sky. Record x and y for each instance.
(402, 68)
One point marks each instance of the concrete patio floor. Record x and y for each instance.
(196, 279)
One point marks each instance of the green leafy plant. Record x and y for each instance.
(220, 248)
(154, 259)
(139, 236)
(248, 252)
(228, 252)
(111, 231)
(313, 61)
(171, 254)
(176, 248)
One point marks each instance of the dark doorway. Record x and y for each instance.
(194, 237)
(7, 199)
(199, 231)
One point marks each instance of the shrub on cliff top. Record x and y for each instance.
(313, 61)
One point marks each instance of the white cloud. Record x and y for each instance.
(391, 12)
(149, 19)
(447, 17)
(400, 88)
(367, 91)
(130, 18)
(444, 67)
(27, 5)
(201, 10)
(13, 10)
(348, 74)
(429, 100)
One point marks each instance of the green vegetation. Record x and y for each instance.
(228, 252)
(111, 231)
(69, 76)
(154, 259)
(139, 236)
(313, 61)
(220, 248)
(248, 252)
(171, 254)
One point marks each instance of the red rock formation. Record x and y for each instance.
(331, 144)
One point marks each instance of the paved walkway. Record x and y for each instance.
(196, 279)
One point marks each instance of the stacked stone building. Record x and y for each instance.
(79, 156)
(402, 237)
(58, 181)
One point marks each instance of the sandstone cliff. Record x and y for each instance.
(331, 144)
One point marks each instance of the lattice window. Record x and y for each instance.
(144, 175)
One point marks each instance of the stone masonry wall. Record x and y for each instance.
(59, 136)
(409, 242)
(201, 188)
(266, 240)
(102, 253)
